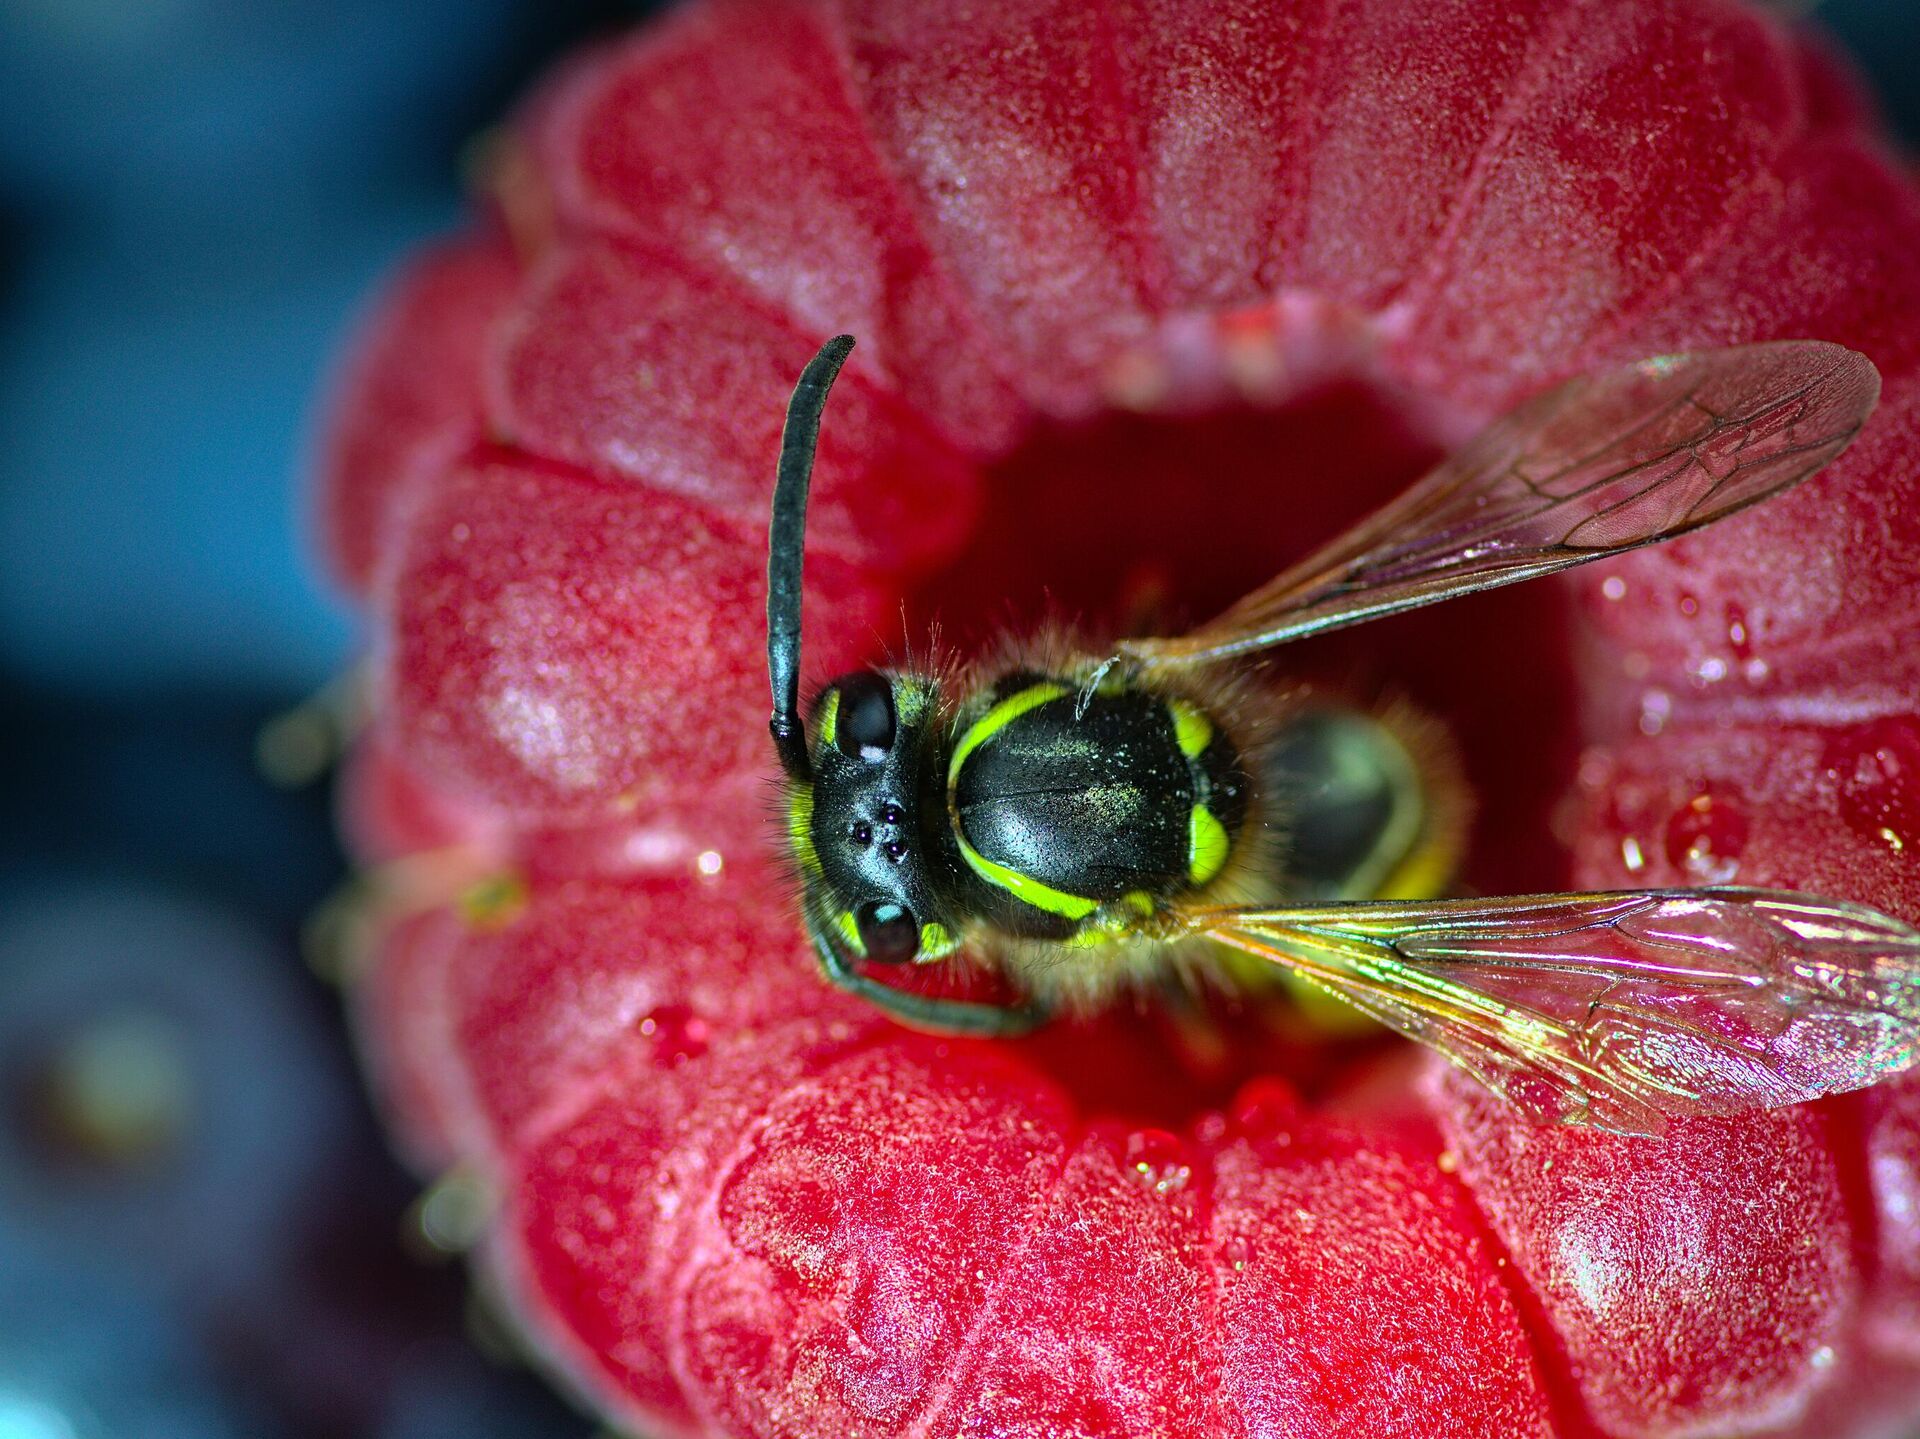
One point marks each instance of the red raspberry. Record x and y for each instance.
(1151, 294)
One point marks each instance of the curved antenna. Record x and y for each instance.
(785, 548)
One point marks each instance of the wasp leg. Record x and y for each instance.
(919, 1011)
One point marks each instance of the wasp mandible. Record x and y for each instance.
(1086, 818)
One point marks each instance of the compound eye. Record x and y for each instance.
(863, 728)
(888, 931)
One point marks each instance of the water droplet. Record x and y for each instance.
(1739, 637)
(1264, 1108)
(1655, 706)
(678, 1034)
(1876, 767)
(710, 862)
(1822, 1358)
(1158, 1160)
(1631, 855)
(1211, 1128)
(1707, 670)
(1705, 837)
(1237, 1252)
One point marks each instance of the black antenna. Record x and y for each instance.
(785, 547)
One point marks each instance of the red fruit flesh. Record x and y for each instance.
(1151, 296)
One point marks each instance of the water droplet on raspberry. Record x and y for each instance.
(1707, 670)
(1237, 1252)
(1211, 1128)
(1877, 769)
(1264, 1107)
(1159, 1161)
(678, 1034)
(1655, 706)
(1739, 636)
(1705, 837)
(1264, 1113)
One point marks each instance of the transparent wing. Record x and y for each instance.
(1603, 464)
(1620, 1010)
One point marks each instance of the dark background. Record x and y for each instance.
(200, 1231)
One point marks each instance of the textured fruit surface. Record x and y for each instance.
(1151, 295)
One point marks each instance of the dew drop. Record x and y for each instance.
(1158, 1160)
(1631, 855)
(1237, 1252)
(1876, 767)
(678, 1034)
(1655, 706)
(1264, 1114)
(1705, 837)
(1707, 670)
(1264, 1108)
(1739, 636)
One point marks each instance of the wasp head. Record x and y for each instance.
(863, 825)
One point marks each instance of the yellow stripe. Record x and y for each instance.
(1192, 731)
(1207, 845)
(850, 931)
(1023, 887)
(997, 719)
(829, 716)
(800, 828)
(935, 942)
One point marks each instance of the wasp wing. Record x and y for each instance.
(1620, 1010)
(1603, 464)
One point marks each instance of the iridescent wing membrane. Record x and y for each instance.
(1618, 1010)
(1621, 1010)
(1603, 464)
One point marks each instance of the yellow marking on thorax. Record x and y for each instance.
(1024, 887)
(1207, 845)
(997, 719)
(1192, 730)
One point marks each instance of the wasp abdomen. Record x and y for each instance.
(1357, 816)
(1063, 802)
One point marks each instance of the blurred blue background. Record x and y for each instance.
(200, 1231)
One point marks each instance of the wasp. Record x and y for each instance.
(1084, 817)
